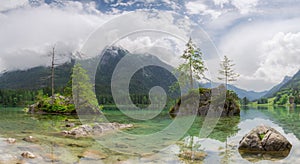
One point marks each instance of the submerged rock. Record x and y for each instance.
(28, 154)
(193, 155)
(264, 140)
(11, 140)
(50, 157)
(93, 155)
(96, 129)
(30, 139)
(70, 125)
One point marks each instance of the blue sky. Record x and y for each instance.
(261, 36)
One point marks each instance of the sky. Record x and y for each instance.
(262, 37)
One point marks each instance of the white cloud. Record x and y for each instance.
(167, 48)
(12, 4)
(198, 7)
(220, 2)
(280, 57)
(27, 33)
(245, 6)
(249, 45)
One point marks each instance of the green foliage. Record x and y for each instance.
(14, 98)
(83, 94)
(283, 100)
(36, 78)
(290, 88)
(245, 101)
(262, 101)
(261, 136)
(193, 67)
(232, 98)
(61, 104)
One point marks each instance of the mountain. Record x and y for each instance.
(140, 84)
(276, 88)
(251, 95)
(288, 91)
(37, 77)
(292, 83)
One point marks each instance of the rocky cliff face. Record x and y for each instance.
(228, 105)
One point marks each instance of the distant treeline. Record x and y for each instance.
(21, 97)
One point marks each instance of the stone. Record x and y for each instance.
(50, 158)
(264, 139)
(11, 140)
(93, 155)
(121, 145)
(28, 154)
(192, 155)
(70, 125)
(30, 139)
(95, 129)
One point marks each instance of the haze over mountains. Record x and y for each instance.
(250, 95)
(142, 81)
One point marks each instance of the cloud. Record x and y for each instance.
(252, 48)
(221, 2)
(199, 7)
(12, 4)
(245, 6)
(280, 57)
(27, 33)
(165, 47)
(254, 33)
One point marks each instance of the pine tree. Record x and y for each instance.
(193, 67)
(83, 95)
(227, 72)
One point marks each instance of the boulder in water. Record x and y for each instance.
(28, 154)
(96, 129)
(264, 140)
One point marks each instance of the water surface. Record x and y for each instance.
(220, 146)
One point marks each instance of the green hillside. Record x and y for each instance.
(287, 91)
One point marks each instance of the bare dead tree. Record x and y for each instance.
(52, 74)
(54, 58)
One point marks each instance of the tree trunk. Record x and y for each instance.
(191, 74)
(52, 75)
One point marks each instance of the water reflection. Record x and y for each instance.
(220, 147)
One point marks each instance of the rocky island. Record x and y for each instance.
(229, 108)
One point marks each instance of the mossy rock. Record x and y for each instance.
(230, 107)
(61, 104)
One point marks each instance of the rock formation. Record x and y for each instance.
(264, 138)
(229, 104)
(96, 129)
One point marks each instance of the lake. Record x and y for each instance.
(219, 147)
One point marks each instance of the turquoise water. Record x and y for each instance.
(219, 147)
